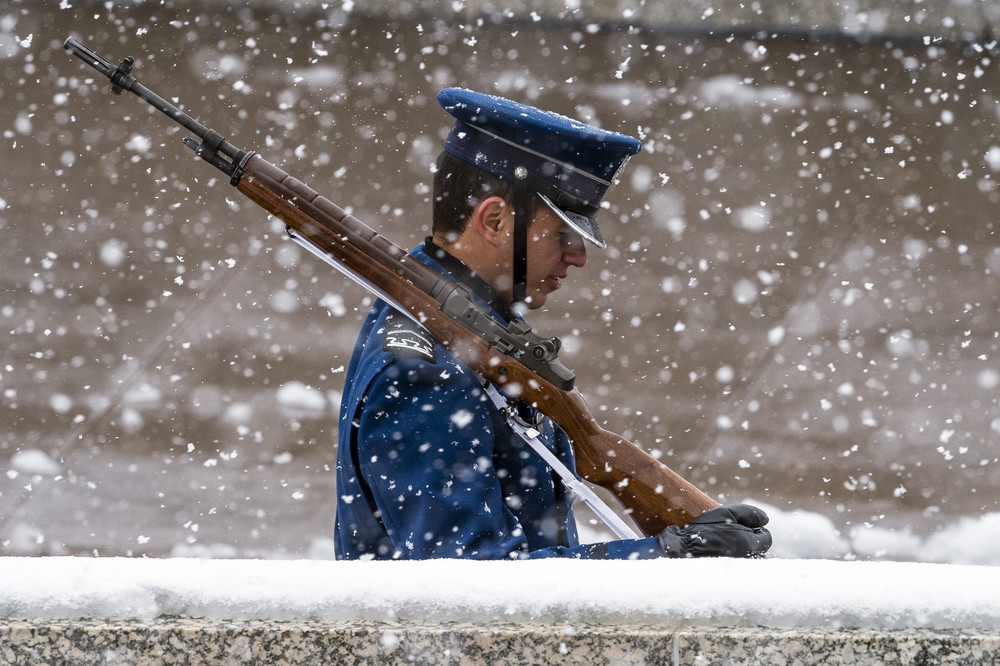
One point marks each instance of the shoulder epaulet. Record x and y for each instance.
(407, 339)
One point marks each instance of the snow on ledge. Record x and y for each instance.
(775, 592)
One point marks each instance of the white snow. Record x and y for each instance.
(284, 301)
(971, 540)
(772, 592)
(334, 303)
(992, 158)
(802, 534)
(139, 143)
(112, 253)
(729, 90)
(297, 400)
(755, 219)
(34, 461)
(145, 396)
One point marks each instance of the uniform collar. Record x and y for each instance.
(466, 276)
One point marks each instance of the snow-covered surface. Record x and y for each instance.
(800, 534)
(806, 534)
(773, 592)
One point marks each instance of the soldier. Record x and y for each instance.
(427, 466)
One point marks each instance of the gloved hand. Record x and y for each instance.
(725, 531)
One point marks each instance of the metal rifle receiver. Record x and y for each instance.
(516, 339)
(213, 147)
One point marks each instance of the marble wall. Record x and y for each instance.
(182, 640)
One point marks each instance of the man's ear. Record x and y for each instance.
(492, 221)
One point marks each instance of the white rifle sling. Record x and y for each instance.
(530, 435)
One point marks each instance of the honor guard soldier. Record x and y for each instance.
(427, 465)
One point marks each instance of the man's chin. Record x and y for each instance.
(537, 300)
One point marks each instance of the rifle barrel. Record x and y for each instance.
(121, 79)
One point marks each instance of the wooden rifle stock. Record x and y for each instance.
(653, 495)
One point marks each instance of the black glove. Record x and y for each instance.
(725, 531)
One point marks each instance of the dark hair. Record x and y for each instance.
(459, 187)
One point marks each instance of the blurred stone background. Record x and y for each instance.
(798, 306)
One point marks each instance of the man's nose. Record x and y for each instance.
(575, 253)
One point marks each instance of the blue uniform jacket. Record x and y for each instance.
(427, 466)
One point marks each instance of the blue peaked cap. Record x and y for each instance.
(569, 163)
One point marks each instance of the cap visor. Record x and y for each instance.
(583, 225)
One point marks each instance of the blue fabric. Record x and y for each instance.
(427, 467)
(570, 162)
(593, 152)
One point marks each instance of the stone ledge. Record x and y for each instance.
(179, 640)
(697, 612)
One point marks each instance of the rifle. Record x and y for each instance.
(513, 356)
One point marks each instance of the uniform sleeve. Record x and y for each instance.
(425, 445)
(625, 549)
(425, 449)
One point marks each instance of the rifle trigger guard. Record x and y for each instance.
(530, 431)
(511, 414)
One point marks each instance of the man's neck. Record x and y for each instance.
(464, 274)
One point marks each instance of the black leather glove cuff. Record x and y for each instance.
(671, 542)
(726, 531)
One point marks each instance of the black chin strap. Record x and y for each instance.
(521, 216)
